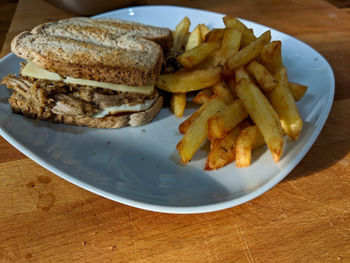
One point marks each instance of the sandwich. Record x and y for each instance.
(89, 72)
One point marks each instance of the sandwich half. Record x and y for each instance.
(89, 72)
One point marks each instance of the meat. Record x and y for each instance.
(58, 98)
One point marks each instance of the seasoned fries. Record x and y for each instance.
(195, 38)
(224, 121)
(265, 79)
(178, 104)
(249, 52)
(248, 139)
(222, 90)
(297, 90)
(222, 151)
(203, 96)
(197, 133)
(180, 34)
(242, 86)
(182, 82)
(282, 100)
(215, 35)
(183, 128)
(204, 31)
(247, 34)
(271, 56)
(196, 55)
(263, 115)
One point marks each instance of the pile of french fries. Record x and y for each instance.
(243, 89)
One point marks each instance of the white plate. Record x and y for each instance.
(139, 166)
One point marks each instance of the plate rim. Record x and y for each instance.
(184, 209)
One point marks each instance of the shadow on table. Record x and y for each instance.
(331, 146)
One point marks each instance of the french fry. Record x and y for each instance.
(230, 43)
(215, 35)
(194, 56)
(241, 73)
(203, 96)
(198, 131)
(222, 151)
(247, 34)
(178, 104)
(271, 57)
(266, 81)
(182, 82)
(180, 34)
(249, 52)
(195, 38)
(263, 115)
(283, 102)
(229, 46)
(185, 126)
(178, 100)
(248, 139)
(232, 86)
(297, 90)
(224, 121)
(204, 31)
(222, 90)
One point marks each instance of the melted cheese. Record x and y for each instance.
(33, 71)
(124, 108)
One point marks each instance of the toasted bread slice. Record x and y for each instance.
(105, 31)
(104, 50)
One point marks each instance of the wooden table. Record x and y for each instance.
(305, 218)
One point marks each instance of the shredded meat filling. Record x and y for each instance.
(59, 98)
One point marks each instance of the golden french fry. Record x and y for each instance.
(249, 53)
(241, 73)
(229, 46)
(222, 151)
(231, 85)
(263, 115)
(224, 121)
(222, 90)
(271, 57)
(198, 131)
(184, 127)
(194, 39)
(283, 102)
(204, 31)
(247, 34)
(297, 90)
(194, 56)
(178, 104)
(215, 35)
(203, 96)
(182, 82)
(230, 43)
(266, 81)
(248, 139)
(180, 34)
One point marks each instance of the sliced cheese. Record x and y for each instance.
(33, 71)
(124, 108)
(122, 88)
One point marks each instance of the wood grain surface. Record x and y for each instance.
(305, 218)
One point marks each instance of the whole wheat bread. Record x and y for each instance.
(103, 50)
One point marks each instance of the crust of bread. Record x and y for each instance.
(19, 105)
